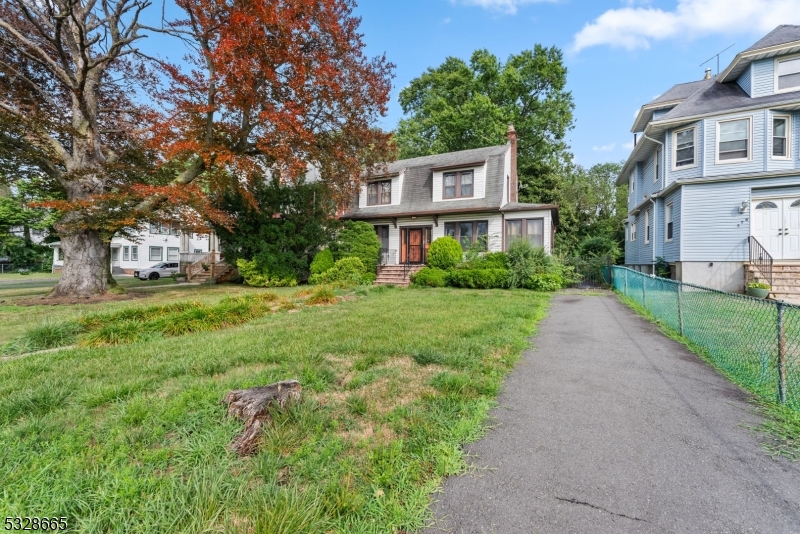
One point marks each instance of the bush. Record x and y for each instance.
(348, 270)
(258, 276)
(24, 271)
(322, 262)
(478, 278)
(445, 253)
(430, 277)
(358, 240)
(598, 246)
(552, 281)
(486, 260)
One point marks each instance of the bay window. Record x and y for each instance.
(733, 140)
(468, 232)
(530, 229)
(683, 151)
(781, 126)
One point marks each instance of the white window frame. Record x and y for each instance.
(126, 253)
(633, 231)
(749, 157)
(667, 222)
(134, 252)
(176, 250)
(160, 254)
(647, 227)
(675, 149)
(788, 136)
(775, 71)
(656, 165)
(632, 183)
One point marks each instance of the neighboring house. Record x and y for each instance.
(715, 172)
(154, 244)
(470, 195)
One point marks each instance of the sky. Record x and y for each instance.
(619, 54)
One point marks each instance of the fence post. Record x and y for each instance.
(680, 306)
(781, 355)
(644, 292)
(626, 282)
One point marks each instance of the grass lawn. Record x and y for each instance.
(15, 276)
(133, 438)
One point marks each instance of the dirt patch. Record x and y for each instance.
(95, 299)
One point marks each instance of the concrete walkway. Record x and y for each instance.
(609, 426)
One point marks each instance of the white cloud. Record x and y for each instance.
(505, 6)
(628, 145)
(605, 148)
(637, 27)
(446, 21)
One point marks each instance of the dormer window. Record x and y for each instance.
(458, 184)
(787, 74)
(379, 193)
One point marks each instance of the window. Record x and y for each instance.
(115, 254)
(379, 193)
(530, 229)
(173, 254)
(156, 253)
(656, 165)
(126, 253)
(162, 229)
(633, 231)
(781, 126)
(632, 183)
(383, 234)
(135, 253)
(683, 152)
(787, 75)
(767, 206)
(647, 227)
(468, 232)
(795, 204)
(458, 184)
(668, 221)
(733, 140)
(198, 251)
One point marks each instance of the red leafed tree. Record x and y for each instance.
(270, 88)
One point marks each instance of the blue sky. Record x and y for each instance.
(620, 54)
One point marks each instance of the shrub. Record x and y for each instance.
(24, 271)
(445, 253)
(759, 285)
(430, 276)
(348, 270)
(524, 260)
(545, 282)
(478, 278)
(257, 276)
(358, 240)
(486, 260)
(323, 296)
(598, 246)
(322, 262)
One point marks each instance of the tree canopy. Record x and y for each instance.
(267, 88)
(460, 105)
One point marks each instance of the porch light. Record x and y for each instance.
(743, 207)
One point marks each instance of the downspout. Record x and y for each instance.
(655, 204)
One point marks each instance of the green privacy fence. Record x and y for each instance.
(755, 341)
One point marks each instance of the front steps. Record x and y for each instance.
(221, 271)
(785, 279)
(396, 275)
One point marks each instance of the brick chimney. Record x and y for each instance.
(512, 140)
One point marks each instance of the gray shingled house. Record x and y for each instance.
(470, 195)
(714, 177)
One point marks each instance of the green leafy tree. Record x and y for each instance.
(460, 105)
(358, 239)
(281, 228)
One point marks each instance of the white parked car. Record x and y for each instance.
(158, 270)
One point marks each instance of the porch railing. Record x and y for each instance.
(388, 256)
(761, 259)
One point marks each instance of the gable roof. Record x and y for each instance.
(673, 97)
(782, 40)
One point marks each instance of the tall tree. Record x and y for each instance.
(461, 105)
(269, 86)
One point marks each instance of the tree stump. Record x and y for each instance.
(252, 406)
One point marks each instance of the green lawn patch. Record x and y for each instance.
(133, 438)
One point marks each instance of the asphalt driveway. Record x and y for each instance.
(606, 425)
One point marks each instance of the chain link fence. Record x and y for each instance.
(755, 341)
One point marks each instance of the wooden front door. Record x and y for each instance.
(415, 254)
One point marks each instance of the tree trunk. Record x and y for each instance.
(252, 406)
(85, 271)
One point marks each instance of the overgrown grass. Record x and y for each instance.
(781, 425)
(133, 438)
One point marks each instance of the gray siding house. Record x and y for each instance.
(714, 176)
(470, 195)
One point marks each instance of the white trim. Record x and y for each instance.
(721, 78)
(646, 227)
(675, 149)
(656, 164)
(778, 59)
(749, 157)
(788, 118)
(633, 231)
(668, 220)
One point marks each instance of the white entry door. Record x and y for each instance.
(791, 228)
(766, 225)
